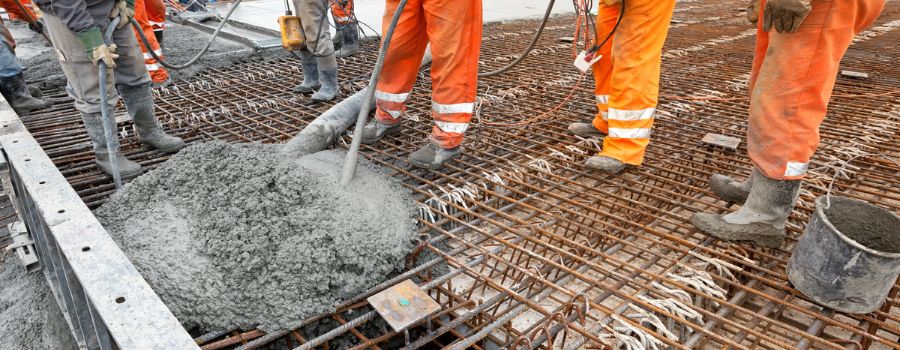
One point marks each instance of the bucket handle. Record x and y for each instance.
(844, 165)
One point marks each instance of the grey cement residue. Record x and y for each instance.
(29, 316)
(242, 234)
(876, 229)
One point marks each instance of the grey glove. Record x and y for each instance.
(785, 15)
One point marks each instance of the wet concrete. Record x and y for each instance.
(238, 235)
(876, 229)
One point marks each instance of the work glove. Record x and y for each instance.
(97, 49)
(36, 26)
(785, 15)
(123, 9)
(753, 12)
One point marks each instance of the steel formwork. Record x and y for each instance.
(538, 247)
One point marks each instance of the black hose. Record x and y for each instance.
(534, 40)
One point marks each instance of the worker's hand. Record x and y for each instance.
(753, 12)
(97, 49)
(36, 26)
(611, 2)
(785, 15)
(123, 9)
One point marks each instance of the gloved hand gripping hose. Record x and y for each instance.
(352, 158)
(109, 122)
(196, 57)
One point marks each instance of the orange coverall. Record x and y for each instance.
(15, 12)
(453, 27)
(151, 15)
(342, 12)
(626, 78)
(791, 82)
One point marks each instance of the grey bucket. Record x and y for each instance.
(849, 256)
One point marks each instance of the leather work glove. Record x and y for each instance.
(97, 49)
(785, 15)
(611, 2)
(753, 12)
(123, 9)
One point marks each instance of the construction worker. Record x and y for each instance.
(453, 27)
(793, 75)
(346, 40)
(14, 10)
(318, 60)
(12, 75)
(626, 81)
(143, 11)
(76, 28)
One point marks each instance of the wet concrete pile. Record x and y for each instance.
(242, 235)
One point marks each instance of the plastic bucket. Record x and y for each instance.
(849, 256)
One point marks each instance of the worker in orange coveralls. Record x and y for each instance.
(151, 15)
(626, 81)
(346, 40)
(793, 75)
(453, 27)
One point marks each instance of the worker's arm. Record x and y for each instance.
(75, 15)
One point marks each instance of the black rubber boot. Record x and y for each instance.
(16, 93)
(350, 40)
(139, 104)
(375, 131)
(310, 73)
(159, 38)
(432, 156)
(606, 164)
(94, 125)
(329, 88)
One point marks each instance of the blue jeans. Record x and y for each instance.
(9, 67)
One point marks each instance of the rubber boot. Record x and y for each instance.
(159, 38)
(375, 131)
(337, 40)
(94, 125)
(432, 156)
(606, 164)
(329, 89)
(16, 93)
(584, 130)
(310, 73)
(139, 104)
(350, 40)
(761, 219)
(730, 190)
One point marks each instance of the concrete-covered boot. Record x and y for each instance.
(432, 156)
(729, 189)
(375, 131)
(329, 89)
(584, 130)
(310, 73)
(761, 219)
(350, 40)
(17, 94)
(94, 125)
(606, 164)
(139, 104)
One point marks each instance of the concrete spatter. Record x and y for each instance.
(237, 235)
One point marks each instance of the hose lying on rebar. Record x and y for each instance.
(534, 40)
(196, 57)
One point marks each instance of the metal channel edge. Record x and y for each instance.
(114, 290)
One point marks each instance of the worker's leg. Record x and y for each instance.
(158, 73)
(401, 64)
(602, 70)
(9, 67)
(12, 78)
(634, 89)
(156, 14)
(317, 30)
(348, 28)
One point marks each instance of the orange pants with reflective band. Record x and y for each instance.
(142, 10)
(453, 27)
(156, 14)
(342, 10)
(792, 80)
(627, 76)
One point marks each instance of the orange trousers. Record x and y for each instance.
(453, 27)
(342, 10)
(626, 78)
(15, 12)
(791, 82)
(142, 11)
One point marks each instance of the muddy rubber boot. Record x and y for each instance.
(584, 130)
(729, 189)
(329, 89)
(310, 74)
(139, 104)
(606, 164)
(350, 38)
(337, 40)
(159, 38)
(432, 156)
(761, 219)
(375, 131)
(16, 93)
(94, 125)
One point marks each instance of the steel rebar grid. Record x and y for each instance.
(613, 241)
